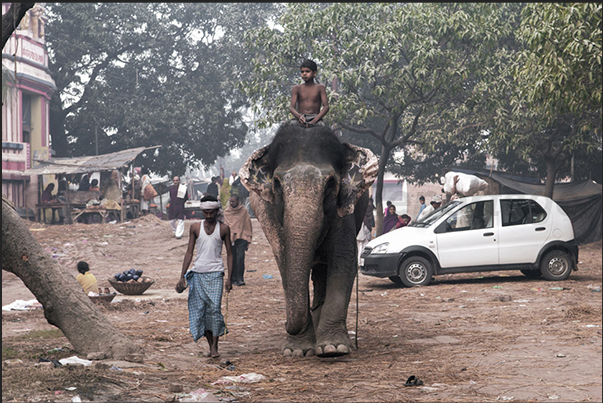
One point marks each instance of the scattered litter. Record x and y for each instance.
(267, 276)
(115, 368)
(75, 360)
(560, 355)
(56, 363)
(250, 271)
(21, 305)
(76, 399)
(251, 377)
(592, 326)
(497, 287)
(505, 398)
(195, 396)
(71, 388)
(554, 397)
(556, 288)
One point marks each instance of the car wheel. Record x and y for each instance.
(532, 273)
(396, 280)
(416, 270)
(556, 265)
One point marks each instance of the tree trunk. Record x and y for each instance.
(551, 174)
(65, 303)
(379, 191)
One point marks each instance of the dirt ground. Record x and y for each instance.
(479, 337)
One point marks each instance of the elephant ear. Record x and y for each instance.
(359, 173)
(255, 175)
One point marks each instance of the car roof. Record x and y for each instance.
(503, 196)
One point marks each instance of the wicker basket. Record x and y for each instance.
(136, 288)
(102, 299)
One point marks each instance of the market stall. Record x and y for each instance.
(74, 204)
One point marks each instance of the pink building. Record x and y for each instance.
(25, 107)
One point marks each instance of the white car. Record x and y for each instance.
(473, 234)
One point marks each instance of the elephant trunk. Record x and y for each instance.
(302, 192)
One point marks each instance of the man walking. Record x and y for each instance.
(178, 196)
(206, 278)
(237, 218)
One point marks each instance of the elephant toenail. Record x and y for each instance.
(287, 352)
(298, 353)
(343, 349)
(330, 349)
(309, 353)
(318, 350)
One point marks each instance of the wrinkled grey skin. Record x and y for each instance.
(309, 192)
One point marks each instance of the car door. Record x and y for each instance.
(468, 237)
(525, 228)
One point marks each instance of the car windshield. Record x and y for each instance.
(435, 215)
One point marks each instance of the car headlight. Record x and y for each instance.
(379, 249)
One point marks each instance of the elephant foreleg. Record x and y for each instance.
(332, 337)
(302, 343)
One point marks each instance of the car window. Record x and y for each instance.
(436, 214)
(472, 216)
(521, 211)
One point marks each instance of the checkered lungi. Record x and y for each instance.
(204, 303)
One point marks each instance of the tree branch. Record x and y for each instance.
(12, 18)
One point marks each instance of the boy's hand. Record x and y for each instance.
(302, 119)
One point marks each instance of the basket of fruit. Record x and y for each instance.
(131, 282)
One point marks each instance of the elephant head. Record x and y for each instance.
(302, 187)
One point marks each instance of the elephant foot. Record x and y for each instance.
(298, 346)
(298, 353)
(330, 350)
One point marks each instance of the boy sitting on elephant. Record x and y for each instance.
(308, 98)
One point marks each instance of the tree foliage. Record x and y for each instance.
(409, 76)
(551, 91)
(145, 74)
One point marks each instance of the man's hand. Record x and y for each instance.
(181, 286)
(228, 285)
(302, 119)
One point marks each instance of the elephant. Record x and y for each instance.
(309, 192)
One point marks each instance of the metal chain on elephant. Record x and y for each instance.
(356, 331)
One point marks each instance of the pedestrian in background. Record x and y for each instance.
(178, 196)
(423, 205)
(237, 218)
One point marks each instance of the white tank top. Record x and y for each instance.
(209, 251)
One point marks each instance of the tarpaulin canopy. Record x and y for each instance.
(86, 164)
(581, 201)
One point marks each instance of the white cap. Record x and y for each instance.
(436, 198)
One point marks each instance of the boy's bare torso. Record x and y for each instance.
(309, 98)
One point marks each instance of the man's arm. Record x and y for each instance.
(293, 105)
(188, 256)
(324, 101)
(225, 234)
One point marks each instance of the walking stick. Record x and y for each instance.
(226, 317)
